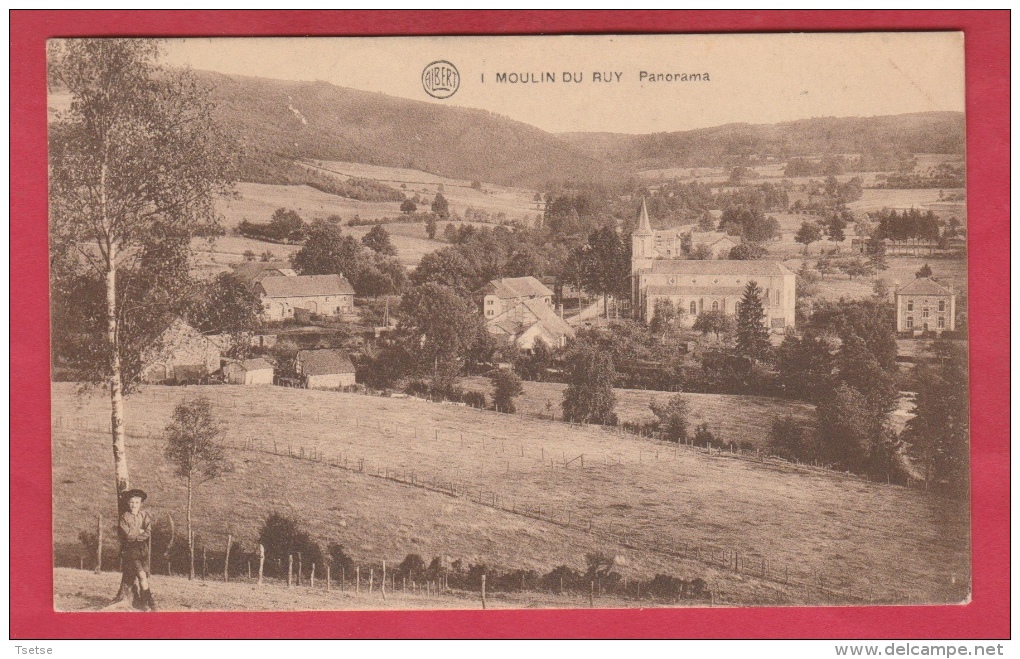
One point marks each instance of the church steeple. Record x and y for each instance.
(644, 225)
(642, 242)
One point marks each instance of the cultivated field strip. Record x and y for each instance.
(832, 532)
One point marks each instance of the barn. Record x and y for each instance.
(249, 371)
(324, 369)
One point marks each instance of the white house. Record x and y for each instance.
(499, 295)
(249, 372)
(925, 305)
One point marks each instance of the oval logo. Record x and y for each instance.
(440, 79)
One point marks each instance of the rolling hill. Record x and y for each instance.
(926, 132)
(279, 121)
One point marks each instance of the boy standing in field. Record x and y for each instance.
(134, 530)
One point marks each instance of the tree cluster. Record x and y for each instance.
(908, 224)
(285, 226)
(327, 251)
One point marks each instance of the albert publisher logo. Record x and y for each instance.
(440, 79)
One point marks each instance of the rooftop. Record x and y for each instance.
(324, 362)
(727, 267)
(514, 287)
(306, 286)
(924, 286)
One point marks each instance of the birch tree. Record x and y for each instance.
(134, 159)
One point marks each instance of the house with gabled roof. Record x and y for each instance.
(502, 294)
(528, 320)
(925, 305)
(325, 295)
(249, 372)
(324, 368)
(253, 272)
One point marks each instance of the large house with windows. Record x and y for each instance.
(924, 305)
(283, 297)
(697, 286)
(501, 295)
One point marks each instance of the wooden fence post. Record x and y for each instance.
(99, 543)
(262, 560)
(329, 585)
(226, 559)
(483, 591)
(384, 580)
(290, 570)
(357, 579)
(205, 565)
(343, 578)
(371, 579)
(311, 581)
(299, 568)
(591, 596)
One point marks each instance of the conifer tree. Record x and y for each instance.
(752, 335)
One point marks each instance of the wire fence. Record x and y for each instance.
(831, 585)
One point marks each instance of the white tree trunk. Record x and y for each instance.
(191, 536)
(116, 384)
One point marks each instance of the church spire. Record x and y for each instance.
(644, 226)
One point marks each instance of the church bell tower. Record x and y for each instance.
(643, 242)
(641, 257)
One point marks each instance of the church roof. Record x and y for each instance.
(726, 267)
(924, 286)
(695, 290)
(644, 225)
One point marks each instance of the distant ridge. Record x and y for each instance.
(926, 132)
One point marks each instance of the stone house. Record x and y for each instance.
(925, 305)
(325, 295)
(181, 353)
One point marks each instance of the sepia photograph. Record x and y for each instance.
(509, 322)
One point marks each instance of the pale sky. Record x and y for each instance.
(753, 78)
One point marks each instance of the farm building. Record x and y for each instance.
(325, 295)
(180, 353)
(530, 319)
(249, 371)
(324, 369)
(697, 286)
(925, 305)
(499, 295)
(253, 272)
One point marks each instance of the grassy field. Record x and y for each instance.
(892, 541)
(739, 418)
(516, 203)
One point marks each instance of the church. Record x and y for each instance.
(711, 285)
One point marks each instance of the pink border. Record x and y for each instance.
(987, 59)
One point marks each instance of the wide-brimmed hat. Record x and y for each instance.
(135, 493)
